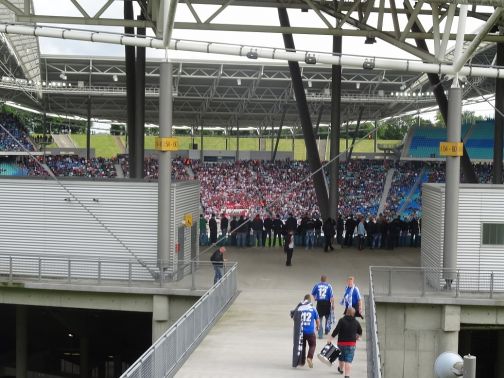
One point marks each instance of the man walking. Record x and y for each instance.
(352, 297)
(323, 294)
(306, 321)
(348, 331)
(212, 224)
(218, 260)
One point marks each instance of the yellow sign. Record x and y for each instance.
(188, 220)
(451, 148)
(166, 144)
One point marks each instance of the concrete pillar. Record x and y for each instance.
(84, 355)
(448, 342)
(160, 316)
(335, 132)
(21, 342)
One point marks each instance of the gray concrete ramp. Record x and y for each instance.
(254, 337)
(63, 141)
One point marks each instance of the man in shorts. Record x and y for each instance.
(349, 331)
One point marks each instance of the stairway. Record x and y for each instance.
(63, 141)
(412, 191)
(386, 189)
(119, 171)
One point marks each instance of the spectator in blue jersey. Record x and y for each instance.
(352, 297)
(311, 323)
(323, 294)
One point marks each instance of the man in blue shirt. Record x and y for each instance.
(352, 297)
(310, 323)
(323, 294)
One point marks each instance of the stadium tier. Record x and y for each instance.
(478, 141)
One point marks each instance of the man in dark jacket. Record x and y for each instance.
(349, 230)
(414, 230)
(218, 260)
(349, 331)
(291, 223)
(212, 224)
(233, 224)
(224, 223)
(257, 227)
(328, 229)
(340, 227)
(277, 230)
(268, 226)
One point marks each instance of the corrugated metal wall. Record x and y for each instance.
(478, 204)
(39, 217)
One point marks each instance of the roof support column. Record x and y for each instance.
(140, 106)
(306, 124)
(88, 129)
(499, 120)
(335, 132)
(130, 91)
(442, 102)
(453, 165)
(279, 134)
(165, 168)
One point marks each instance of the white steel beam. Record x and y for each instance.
(241, 50)
(446, 34)
(169, 11)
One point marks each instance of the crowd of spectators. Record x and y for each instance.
(70, 166)
(151, 168)
(18, 139)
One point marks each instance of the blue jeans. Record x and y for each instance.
(376, 240)
(241, 238)
(347, 353)
(310, 239)
(218, 273)
(258, 237)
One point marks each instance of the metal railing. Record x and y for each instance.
(408, 281)
(375, 343)
(168, 353)
(15, 269)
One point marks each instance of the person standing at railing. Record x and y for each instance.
(352, 297)
(348, 331)
(218, 260)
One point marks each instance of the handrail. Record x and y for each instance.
(420, 281)
(167, 354)
(375, 343)
(76, 270)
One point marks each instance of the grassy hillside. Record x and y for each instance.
(105, 145)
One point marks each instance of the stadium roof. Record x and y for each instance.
(248, 93)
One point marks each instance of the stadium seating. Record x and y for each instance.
(479, 144)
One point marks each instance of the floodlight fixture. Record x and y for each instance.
(368, 64)
(370, 40)
(238, 81)
(310, 59)
(63, 76)
(252, 54)
(357, 85)
(114, 77)
(310, 84)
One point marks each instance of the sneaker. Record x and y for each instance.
(340, 370)
(310, 362)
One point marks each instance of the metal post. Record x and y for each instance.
(469, 366)
(356, 131)
(193, 273)
(390, 282)
(491, 284)
(275, 149)
(306, 124)
(335, 132)
(69, 270)
(99, 271)
(88, 130)
(164, 182)
(452, 186)
(130, 91)
(499, 120)
(375, 135)
(237, 139)
(140, 106)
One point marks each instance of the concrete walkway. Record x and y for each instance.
(254, 337)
